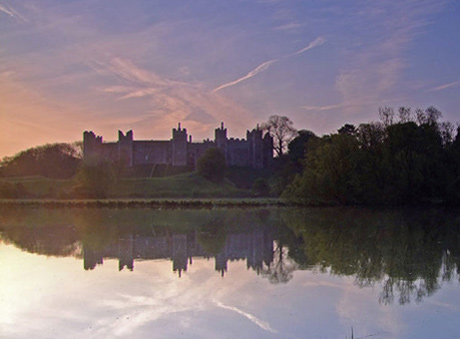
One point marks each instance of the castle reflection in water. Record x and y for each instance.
(256, 247)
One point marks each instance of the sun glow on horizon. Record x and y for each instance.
(71, 67)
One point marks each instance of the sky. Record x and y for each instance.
(67, 66)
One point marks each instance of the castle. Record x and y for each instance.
(256, 247)
(256, 151)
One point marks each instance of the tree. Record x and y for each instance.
(94, 179)
(57, 161)
(282, 130)
(330, 172)
(212, 165)
(298, 147)
(347, 129)
(386, 115)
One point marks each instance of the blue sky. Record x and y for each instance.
(104, 65)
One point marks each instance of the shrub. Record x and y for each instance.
(212, 165)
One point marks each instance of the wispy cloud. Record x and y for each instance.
(12, 13)
(265, 65)
(289, 27)
(445, 86)
(374, 69)
(343, 106)
(168, 101)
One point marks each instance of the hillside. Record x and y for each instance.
(187, 185)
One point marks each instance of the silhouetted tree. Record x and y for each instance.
(298, 148)
(347, 129)
(281, 128)
(58, 161)
(386, 115)
(397, 163)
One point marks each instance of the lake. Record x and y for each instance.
(229, 273)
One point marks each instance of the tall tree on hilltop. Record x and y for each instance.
(281, 128)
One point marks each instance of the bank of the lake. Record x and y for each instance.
(145, 203)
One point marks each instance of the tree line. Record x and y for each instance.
(408, 157)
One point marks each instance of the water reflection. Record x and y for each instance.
(256, 247)
(406, 254)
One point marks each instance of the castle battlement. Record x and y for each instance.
(256, 151)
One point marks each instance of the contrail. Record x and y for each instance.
(262, 324)
(265, 65)
(317, 42)
(449, 85)
(262, 67)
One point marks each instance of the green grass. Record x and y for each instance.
(40, 187)
(187, 185)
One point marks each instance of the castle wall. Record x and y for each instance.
(109, 151)
(237, 152)
(152, 152)
(256, 151)
(195, 150)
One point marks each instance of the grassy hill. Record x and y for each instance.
(187, 185)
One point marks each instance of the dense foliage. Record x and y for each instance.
(212, 165)
(56, 161)
(94, 179)
(414, 160)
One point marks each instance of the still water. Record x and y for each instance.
(229, 273)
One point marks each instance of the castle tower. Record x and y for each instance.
(126, 253)
(221, 139)
(179, 146)
(92, 145)
(125, 148)
(256, 148)
(268, 150)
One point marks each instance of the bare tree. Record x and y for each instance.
(429, 116)
(386, 115)
(433, 115)
(282, 130)
(404, 114)
(282, 267)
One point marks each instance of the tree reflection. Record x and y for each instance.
(403, 251)
(282, 267)
(407, 254)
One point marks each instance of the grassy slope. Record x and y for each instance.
(188, 185)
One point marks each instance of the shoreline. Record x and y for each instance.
(204, 203)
